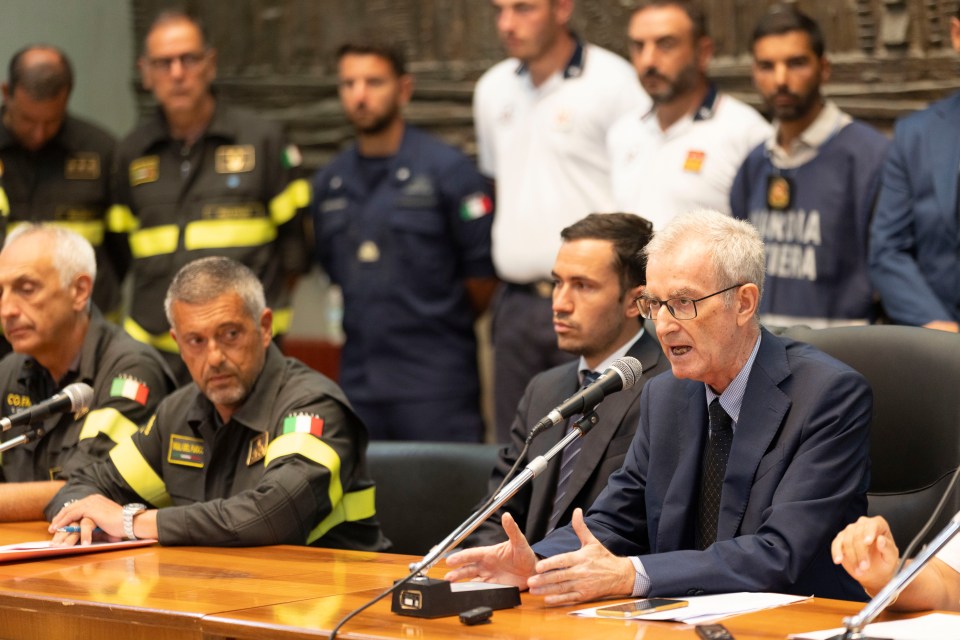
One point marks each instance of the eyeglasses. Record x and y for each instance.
(188, 61)
(681, 308)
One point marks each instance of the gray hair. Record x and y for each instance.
(72, 254)
(206, 279)
(737, 254)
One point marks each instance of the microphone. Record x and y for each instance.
(74, 397)
(622, 374)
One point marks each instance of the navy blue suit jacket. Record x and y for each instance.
(915, 237)
(797, 474)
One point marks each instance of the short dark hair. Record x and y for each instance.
(628, 233)
(41, 81)
(781, 19)
(168, 16)
(693, 10)
(388, 52)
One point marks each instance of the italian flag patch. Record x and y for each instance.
(475, 206)
(129, 388)
(291, 157)
(303, 423)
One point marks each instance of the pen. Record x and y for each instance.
(76, 530)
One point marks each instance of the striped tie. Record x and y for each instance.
(568, 458)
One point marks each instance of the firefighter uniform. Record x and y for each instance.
(228, 194)
(288, 468)
(128, 378)
(67, 183)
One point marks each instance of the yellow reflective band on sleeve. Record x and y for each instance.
(223, 234)
(139, 475)
(4, 203)
(91, 230)
(284, 205)
(110, 423)
(154, 241)
(282, 318)
(120, 219)
(164, 341)
(355, 505)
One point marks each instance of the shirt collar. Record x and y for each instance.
(826, 125)
(616, 355)
(732, 397)
(574, 66)
(704, 112)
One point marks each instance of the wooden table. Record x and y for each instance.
(291, 593)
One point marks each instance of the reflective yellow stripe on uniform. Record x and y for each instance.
(4, 203)
(110, 423)
(91, 230)
(350, 507)
(139, 474)
(154, 241)
(284, 205)
(120, 219)
(282, 319)
(222, 234)
(163, 341)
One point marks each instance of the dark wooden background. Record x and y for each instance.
(276, 56)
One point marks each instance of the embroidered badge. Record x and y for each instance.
(238, 158)
(144, 170)
(303, 423)
(258, 448)
(82, 166)
(186, 451)
(124, 386)
(779, 192)
(475, 206)
(694, 161)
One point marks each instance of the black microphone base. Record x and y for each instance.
(431, 598)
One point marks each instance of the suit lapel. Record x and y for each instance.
(944, 152)
(763, 410)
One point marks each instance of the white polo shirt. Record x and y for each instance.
(546, 148)
(658, 174)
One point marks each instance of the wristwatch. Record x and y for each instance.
(130, 510)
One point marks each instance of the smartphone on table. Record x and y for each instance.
(640, 607)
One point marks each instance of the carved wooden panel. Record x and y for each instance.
(276, 56)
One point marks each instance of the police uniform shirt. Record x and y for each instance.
(128, 378)
(288, 468)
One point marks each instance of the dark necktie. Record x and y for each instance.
(568, 457)
(715, 456)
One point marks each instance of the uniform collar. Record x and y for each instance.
(63, 137)
(705, 111)
(83, 367)
(574, 66)
(155, 130)
(826, 125)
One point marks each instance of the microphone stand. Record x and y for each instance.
(31, 435)
(416, 601)
(855, 624)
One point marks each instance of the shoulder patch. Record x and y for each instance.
(475, 206)
(303, 423)
(125, 386)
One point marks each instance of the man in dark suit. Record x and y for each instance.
(752, 507)
(914, 236)
(597, 275)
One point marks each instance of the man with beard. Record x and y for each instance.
(684, 152)
(260, 450)
(541, 118)
(811, 187)
(402, 225)
(201, 178)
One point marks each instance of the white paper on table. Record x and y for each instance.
(705, 608)
(935, 626)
